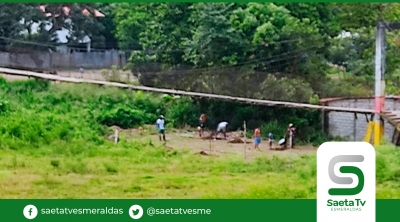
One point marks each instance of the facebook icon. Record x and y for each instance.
(30, 212)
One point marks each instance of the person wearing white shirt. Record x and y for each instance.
(222, 127)
(161, 128)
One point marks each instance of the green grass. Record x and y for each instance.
(140, 170)
(144, 171)
(53, 145)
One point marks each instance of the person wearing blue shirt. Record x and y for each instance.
(161, 128)
(270, 139)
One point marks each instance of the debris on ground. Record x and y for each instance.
(114, 127)
(140, 130)
(236, 140)
(209, 136)
(278, 148)
(239, 134)
(203, 153)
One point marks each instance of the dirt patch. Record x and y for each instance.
(95, 74)
(239, 140)
(208, 146)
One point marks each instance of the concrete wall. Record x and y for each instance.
(353, 126)
(56, 60)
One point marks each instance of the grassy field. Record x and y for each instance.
(143, 170)
(53, 144)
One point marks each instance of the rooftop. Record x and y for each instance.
(67, 10)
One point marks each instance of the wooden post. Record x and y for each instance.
(116, 137)
(245, 137)
(355, 127)
(210, 144)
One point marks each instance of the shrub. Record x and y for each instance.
(40, 113)
(123, 116)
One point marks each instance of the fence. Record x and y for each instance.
(55, 60)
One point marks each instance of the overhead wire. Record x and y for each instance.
(255, 61)
(263, 61)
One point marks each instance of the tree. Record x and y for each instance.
(110, 40)
(212, 47)
(130, 19)
(214, 41)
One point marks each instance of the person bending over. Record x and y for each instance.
(222, 127)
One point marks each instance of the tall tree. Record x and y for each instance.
(109, 32)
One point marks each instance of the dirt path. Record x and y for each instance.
(95, 74)
(89, 74)
(190, 139)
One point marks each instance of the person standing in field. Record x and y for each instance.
(202, 121)
(257, 138)
(222, 127)
(290, 133)
(270, 139)
(161, 128)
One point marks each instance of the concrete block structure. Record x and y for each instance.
(353, 126)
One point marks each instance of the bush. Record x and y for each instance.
(124, 116)
(3, 106)
(276, 128)
(182, 112)
(286, 89)
(40, 113)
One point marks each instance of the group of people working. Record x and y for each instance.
(223, 126)
(287, 140)
(160, 123)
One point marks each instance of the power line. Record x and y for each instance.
(264, 61)
(152, 51)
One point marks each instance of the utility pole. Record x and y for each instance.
(380, 58)
(379, 80)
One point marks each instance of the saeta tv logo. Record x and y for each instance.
(346, 182)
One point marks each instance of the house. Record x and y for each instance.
(63, 33)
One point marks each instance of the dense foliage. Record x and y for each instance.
(263, 50)
(35, 113)
(279, 51)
